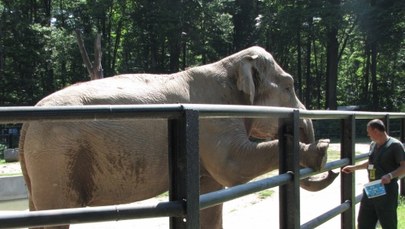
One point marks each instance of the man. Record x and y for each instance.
(386, 162)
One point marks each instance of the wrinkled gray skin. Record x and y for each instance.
(67, 164)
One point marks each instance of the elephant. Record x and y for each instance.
(101, 162)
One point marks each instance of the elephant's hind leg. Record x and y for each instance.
(32, 208)
(51, 187)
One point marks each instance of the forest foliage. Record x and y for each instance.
(340, 52)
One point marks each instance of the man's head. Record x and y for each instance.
(376, 130)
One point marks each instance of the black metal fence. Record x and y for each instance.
(184, 199)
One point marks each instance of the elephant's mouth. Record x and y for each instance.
(258, 135)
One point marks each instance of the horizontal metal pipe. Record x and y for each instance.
(358, 198)
(361, 157)
(88, 112)
(239, 111)
(101, 112)
(330, 214)
(97, 112)
(90, 214)
(326, 216)
(334, 114)
(307, 172)
(220, 196)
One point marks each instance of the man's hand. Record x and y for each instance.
(386, 179)
(349, 169)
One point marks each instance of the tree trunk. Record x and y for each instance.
(95, 70)
(331, 68)
(332, 57)
(243, 20)
(116, 45)
(373, 71)
(318, 77)
(366, 74)
(308, 72)
(299, 65)
(174, 35)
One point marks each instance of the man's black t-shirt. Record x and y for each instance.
(387, 157)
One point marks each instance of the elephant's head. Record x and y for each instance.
(265, 83)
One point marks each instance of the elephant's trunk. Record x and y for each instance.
(314, 184)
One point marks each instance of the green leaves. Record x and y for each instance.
(39, 52)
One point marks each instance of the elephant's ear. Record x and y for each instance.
(245, 82)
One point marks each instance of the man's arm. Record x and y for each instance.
(352, 168)
(400, 171)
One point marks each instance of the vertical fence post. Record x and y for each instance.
(387, 123)
(347, 187)
(402, 182)
(184, 168)
(289, 157)
(402, 139)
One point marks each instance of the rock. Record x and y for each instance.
(11, 155)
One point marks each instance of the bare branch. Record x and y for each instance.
(97, 68)
(83, 52)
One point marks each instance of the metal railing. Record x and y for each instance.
(184, 199)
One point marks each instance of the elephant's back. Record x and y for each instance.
(122, 89)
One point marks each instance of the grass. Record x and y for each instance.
(401, 212)
(265, 194)
(10, 174)
(334, 154)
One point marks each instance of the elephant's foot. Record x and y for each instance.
(314, 155)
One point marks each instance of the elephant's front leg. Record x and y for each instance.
(210, 218)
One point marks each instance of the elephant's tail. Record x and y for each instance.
(22, 158)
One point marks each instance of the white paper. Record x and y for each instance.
(374, 189)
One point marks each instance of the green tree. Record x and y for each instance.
(340, 52)
(381, 23)
(333, 21)
(244, 15)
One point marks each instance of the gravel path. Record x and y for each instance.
(10, 168)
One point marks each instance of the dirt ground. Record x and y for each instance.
(10, 168)
(247, 212)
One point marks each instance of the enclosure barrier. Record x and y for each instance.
(184, 199)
